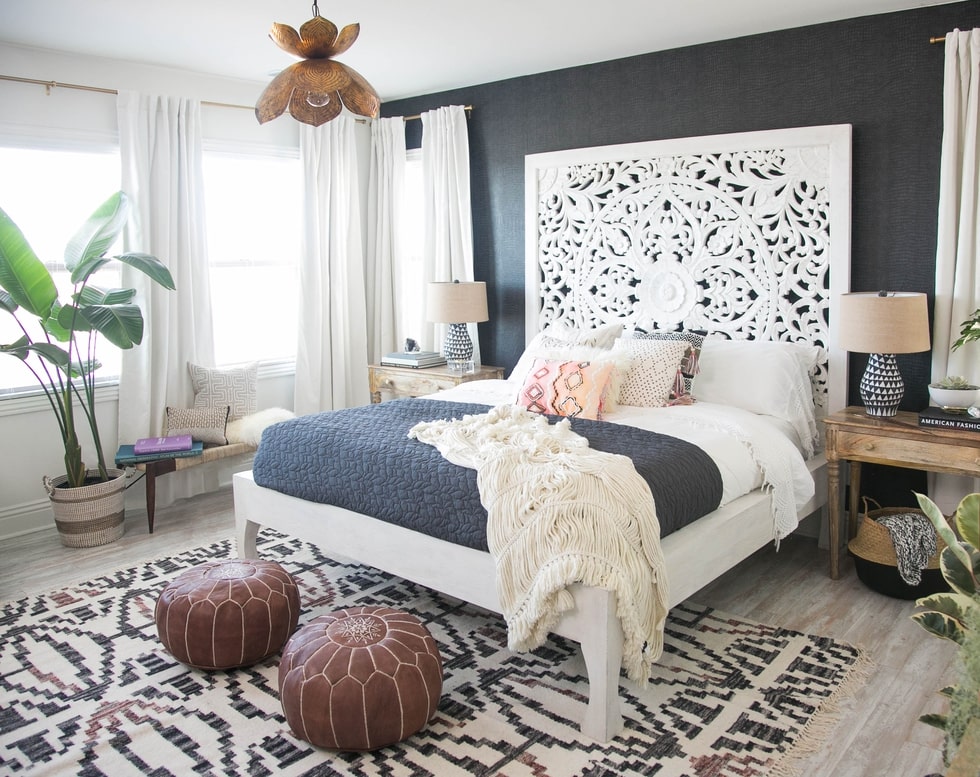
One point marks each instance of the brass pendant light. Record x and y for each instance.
(317, 88)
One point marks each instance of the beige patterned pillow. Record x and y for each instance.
(234, 388)
(206, 424)
(653, 373)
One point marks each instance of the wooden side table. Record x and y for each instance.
(855, 437)
(409, 382)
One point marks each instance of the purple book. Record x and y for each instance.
(179, 442)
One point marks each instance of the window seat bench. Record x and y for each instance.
(159, 467)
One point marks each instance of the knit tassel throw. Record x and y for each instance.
(560, 513)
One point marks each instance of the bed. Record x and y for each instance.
(726, 235)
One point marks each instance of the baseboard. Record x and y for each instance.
(25, 518)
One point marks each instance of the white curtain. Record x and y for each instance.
(331, 356)
(957, 278)
(385, 248)
(448, 254)
(161, 150)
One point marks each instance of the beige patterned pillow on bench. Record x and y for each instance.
(206, 424)
(234, 387)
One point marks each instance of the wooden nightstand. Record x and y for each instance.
(408, 382)
(855, 437)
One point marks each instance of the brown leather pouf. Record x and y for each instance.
(360, 678)
(225, 614)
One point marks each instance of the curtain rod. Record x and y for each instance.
(938, 39)
(466, 108)
(49, 85)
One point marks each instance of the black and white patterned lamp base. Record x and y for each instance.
(881, 386)
(458, 349)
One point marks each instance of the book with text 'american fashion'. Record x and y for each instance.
(177, 442)
(937, 418)
(127, 455)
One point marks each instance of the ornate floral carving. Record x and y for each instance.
(734, 242)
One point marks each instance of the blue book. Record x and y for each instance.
(126, 454)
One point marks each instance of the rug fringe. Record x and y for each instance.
(821, 725)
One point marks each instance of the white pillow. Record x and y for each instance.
(763, 377)
(559, 336)
(653, 372)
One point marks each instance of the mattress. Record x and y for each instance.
(362, 459)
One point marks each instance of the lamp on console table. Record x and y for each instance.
(883, 324)
(457, 304)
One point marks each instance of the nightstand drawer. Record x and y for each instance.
(394, 382)
(938, 456)
(407, 385)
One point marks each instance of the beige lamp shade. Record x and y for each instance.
(456, 302)
(884, 322)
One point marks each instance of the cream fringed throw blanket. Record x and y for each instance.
(560, 513)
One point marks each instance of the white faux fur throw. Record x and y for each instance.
(249, 428)
(560, 513)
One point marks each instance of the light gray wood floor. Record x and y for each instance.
(877, 732)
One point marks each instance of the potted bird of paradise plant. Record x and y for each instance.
(57, 345)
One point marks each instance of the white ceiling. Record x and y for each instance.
(409, 47)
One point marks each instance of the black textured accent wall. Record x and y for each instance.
(877, 73)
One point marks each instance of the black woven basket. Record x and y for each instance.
(875, 561)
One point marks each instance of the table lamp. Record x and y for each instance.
(457, 304)
(883, 324)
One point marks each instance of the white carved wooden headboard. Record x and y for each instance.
(724, 233)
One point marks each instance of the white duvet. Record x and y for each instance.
(751, 451)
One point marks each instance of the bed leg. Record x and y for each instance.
(246, 532)
(602, 649)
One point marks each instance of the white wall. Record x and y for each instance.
(30, 446)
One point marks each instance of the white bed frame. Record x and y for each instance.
(700, 552)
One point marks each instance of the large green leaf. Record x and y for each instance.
(151, 266)
(19, 348)
(121, 325)
(55, 354)
(22, 275)
(968, 519)
(96, 236)
(7, 302)
(93, 295)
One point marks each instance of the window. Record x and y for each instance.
(254, 214)
(49, 194)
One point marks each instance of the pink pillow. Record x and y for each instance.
(572, 388)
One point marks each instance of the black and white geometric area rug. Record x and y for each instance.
(87, 689)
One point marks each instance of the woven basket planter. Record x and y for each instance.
(88, 516)
(875, 560)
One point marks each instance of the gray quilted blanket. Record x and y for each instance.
(362, 459)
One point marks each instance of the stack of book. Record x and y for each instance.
(415, 359)
(153, 448)
(937, 418)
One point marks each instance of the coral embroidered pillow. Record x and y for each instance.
(682, 393)
(234, 388)
(206, 424)
(653, 373)
(573, 388)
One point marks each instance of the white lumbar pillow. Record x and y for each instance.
(249, 428)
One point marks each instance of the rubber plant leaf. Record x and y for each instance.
(968, 519)
(935, 515)
(961, 577)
